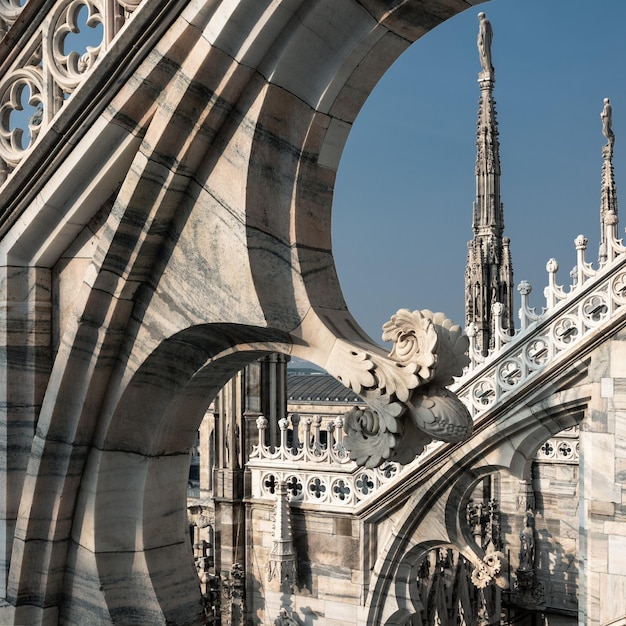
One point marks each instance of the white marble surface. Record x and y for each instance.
(188, 224)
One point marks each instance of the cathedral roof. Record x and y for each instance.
(318, 388)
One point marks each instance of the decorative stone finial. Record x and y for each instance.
(552, 267)
(581, 242)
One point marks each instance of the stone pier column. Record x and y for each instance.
(25, 357)
(603, 490)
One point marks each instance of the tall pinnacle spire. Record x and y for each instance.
(488, 275)
(608, 202)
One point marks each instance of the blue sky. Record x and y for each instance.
(403, 198)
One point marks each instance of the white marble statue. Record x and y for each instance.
(607, 122)
(527, 543)
(485, 37)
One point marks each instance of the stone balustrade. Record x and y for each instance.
(314, 445)
(56, 53)
(562, 449)
(595, 298)
(311, 459)
(593, 308)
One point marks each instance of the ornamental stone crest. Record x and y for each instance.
(409, 404)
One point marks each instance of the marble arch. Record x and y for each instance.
(175, 209)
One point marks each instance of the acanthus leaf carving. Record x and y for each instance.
(395, 378)
(428, 351)
(351, 367)
(414, 341)
(372, 433)
(372, 375)
(452, 348)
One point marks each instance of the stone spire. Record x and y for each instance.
(283, 559)
(488, 274)
(608, 202)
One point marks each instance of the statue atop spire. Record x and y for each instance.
(607, 123)
(608, 201)
(489, 274)
(485, 37)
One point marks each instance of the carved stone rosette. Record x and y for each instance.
(488, 571)
(408, 404)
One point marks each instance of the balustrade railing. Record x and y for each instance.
(569, 316)
(564, 448)
(314, 445)
(311, 459)
(555, 294)
(51, 64)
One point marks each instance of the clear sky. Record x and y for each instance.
(402, 209)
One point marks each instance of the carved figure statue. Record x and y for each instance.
(284, 619)
(607, 122)
(485, 37)
(527, 543)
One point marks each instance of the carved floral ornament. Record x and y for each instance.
(408, 404)
(488, 570)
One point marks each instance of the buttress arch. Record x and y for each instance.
(214, 146)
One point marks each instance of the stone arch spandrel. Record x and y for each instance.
(294, 157)
(181, 377)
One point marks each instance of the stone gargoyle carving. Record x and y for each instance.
(408, 403)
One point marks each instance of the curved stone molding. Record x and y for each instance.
(9, 12)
